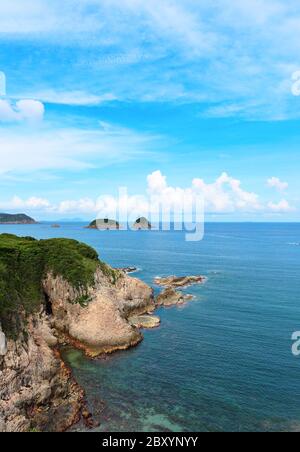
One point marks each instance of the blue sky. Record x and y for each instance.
(159, 95)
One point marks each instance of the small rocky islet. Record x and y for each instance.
(179, 282)
(52, 293)
(104, 224)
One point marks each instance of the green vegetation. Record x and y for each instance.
(21, 218)
(24, 262)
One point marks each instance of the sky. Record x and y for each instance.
(162, 97)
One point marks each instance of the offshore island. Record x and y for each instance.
(55, 292)
(20, 218)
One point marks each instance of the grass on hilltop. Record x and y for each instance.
(24, 262)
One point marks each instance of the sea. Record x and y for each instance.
(222, 362)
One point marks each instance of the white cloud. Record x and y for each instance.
(33, 203)
(282, 207)
(275, 182)
(222, 51)
(31, 149)
(22, 110)
(224, 196)
(74, 98)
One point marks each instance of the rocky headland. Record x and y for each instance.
(52, 292)
(57, 292)
(21, 218)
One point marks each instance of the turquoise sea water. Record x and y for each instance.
(222, 362)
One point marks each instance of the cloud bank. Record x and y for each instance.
(225, 195)
(22, 110)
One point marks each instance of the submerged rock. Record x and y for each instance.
(179, 282)
(145, 321)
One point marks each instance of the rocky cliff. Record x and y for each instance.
(37, 391)
(52, 291)
(99, 323)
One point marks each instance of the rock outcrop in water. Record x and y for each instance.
(52, 291)
(145, 321)
(128, 269)
(171, 297)
(104, 224)
(176, 282)
(142, 224)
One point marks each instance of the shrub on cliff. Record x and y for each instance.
(24, 262)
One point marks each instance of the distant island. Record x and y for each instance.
(21, 218)
(104, 224)
(142, 224)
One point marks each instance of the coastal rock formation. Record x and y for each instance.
(54, 291)
(142, 224)
(145, 321)
(128, 270)
(21, 218)
(179, 282)
(171, 297)
(104, 224)
(37, 391)
(99, 326)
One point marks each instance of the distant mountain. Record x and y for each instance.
(21, 218)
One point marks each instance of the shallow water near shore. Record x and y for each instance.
(223, 361)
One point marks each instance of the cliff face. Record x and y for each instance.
(37, 391)
(99, 326)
